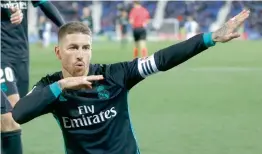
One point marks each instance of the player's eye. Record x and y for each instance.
(73, 48)
(87, 47)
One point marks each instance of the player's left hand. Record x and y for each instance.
(16, 16)
(228, 31)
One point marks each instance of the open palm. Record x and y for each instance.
(228, 31)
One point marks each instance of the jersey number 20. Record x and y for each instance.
(6, 74)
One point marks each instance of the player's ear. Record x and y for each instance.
(58, 52)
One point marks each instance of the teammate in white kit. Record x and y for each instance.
(191, 27)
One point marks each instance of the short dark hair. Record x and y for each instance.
(72, 28)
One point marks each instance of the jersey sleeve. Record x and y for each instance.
(129, 74)
(126, 74)
(37, 3)
(37, 102)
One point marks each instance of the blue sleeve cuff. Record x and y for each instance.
(37, 3)
(207, 37)
(55, 88)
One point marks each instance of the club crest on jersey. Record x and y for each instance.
(102, 92)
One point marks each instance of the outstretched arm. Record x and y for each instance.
(50, 11)
(129, 74)
(174, 55)
(167, 58)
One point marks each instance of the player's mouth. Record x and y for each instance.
(79, 64)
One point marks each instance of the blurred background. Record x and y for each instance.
(209, 105)
(168, 18)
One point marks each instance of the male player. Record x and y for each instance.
(139, 18)
(122, 25)
(10, 141)
(87, 18)
(191, 27)
(15, 58)
(10, 136)
(89, 101)
(44, 31)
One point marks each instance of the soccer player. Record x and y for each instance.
(139, 18)
(87, 18)
(10, 136)
(10, 143)
(122, 25)
(89, 101)
(15, 57)
(44, 31)
(191, 27)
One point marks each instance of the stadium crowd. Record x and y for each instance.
(204, 12)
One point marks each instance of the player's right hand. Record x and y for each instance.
(79, 82)
(16, 16)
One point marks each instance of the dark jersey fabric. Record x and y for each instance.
(98, 117)
(14, 38)
(97, 121)
(5, 104)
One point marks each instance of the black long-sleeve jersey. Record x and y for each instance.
(96, 121)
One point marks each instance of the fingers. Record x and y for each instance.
(242, 15)
(240, 18)
(231, 36)
(16, 20)
(234, 35)
(80, 82)
(87, 79)
(235, 22)
(16, 16)
(13, 9)
(94, 77)
(88, 84)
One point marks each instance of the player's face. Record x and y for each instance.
(124, 14)
(86, 12)
(75, 52)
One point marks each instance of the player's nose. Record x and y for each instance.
(79, 58)
(80, 53)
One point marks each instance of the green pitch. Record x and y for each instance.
(211, 104)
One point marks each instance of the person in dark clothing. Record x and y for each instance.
(15, 61)
(89, 101)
